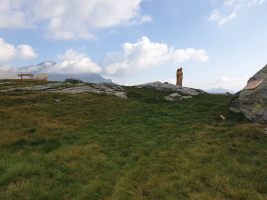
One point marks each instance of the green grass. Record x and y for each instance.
(5, 84)
(102, 147)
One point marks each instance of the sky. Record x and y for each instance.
(219, 43)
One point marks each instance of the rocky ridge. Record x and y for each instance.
(75, 87)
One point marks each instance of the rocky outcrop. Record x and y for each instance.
(252, 100)
(177, 92)
(74, 88)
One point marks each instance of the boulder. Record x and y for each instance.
(175, 95)
(222, 117)
(252, 100)
(168, 98)
(73, 81)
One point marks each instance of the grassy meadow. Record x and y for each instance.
(98, 147)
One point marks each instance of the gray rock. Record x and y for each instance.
(3, 83)
(96, 88)
(172, 97)
(235, 104)
(186, 97)
(166, 87)
(175, 95)
(77, 90)
(120, 94)
(222, 117)
(168, 98)
(35, 88)
(252, 100)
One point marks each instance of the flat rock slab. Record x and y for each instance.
(96, 88)
(76, 90)
(35, 88)
(168, 98)
(175, 95)
(4, 83)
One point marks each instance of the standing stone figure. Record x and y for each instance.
(179, 77)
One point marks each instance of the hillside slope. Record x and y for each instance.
(94, 146)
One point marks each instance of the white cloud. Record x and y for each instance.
(9, 51)
(226, 82)
(220, 19)
(74, 62)
(243, 2)
(12, 14)
(145, 54)
(230, 9)
(140, 20)
(71, 19)
(26, 51)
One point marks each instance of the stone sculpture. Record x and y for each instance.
(179, 77)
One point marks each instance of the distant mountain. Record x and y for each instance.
(219, 91)
(39, 68)
(44, 67)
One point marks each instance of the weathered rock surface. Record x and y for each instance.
(168, 98)
(96, 88)
(72, 86)
(172, 88)
(45, 87)
(178, 92)
(252, 100)
(175, 95)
